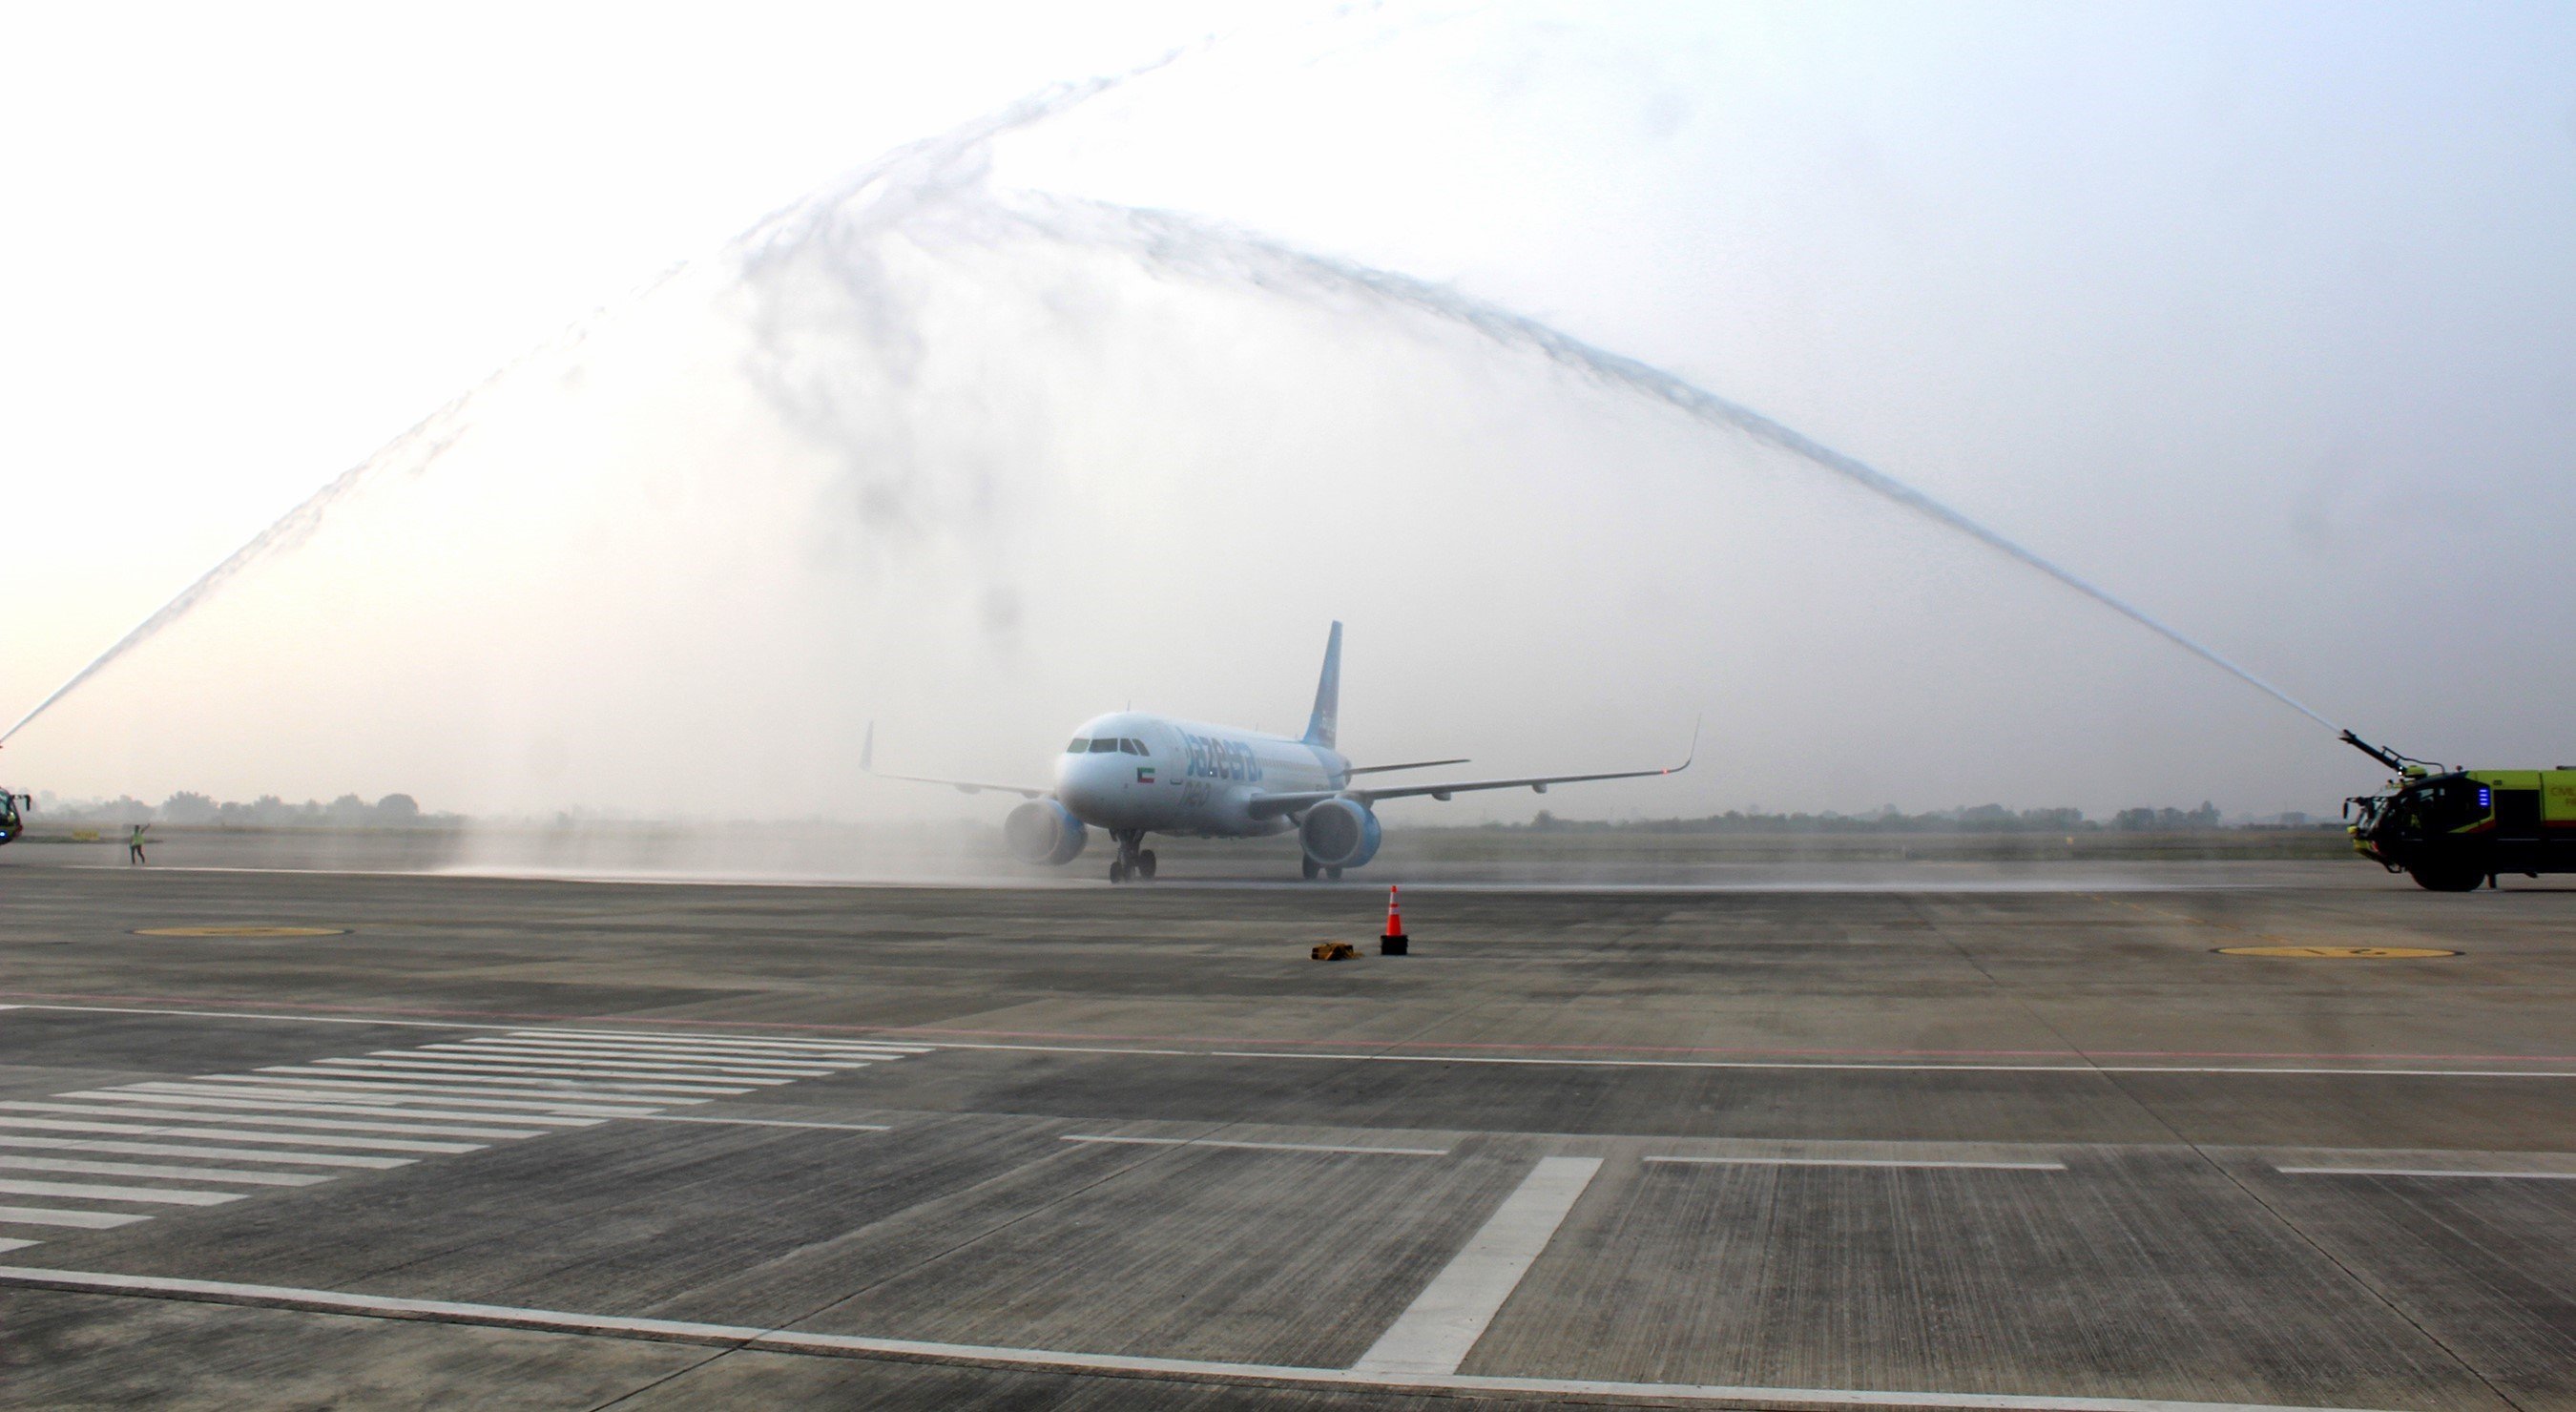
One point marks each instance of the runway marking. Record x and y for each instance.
(2424, 1172)
(1260, 1146)
(99, 1191)
(85, 1220)
(175, 1096)
(1330, 1380)
(275, 1120)
(685, 1051)
(765, 1122)
(176, 1149)
(6, 1244)
(815, 1052)
(507, 1088)
(640, 1059)
(325, 1098)
(343, 1078)
(721, 1041)
(1435, 1333)
(149, 1169)
(242, 931)
(381, 1144)
(1862, 1162)
(382, 1068)
(642, 1083)
(781, 1049)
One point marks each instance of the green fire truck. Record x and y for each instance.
(2451, 830)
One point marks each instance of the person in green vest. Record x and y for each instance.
(134, 846)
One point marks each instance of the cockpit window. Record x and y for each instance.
(1132, 747)
(1079, 745)
(1105, 745)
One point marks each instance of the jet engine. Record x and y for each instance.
(1339, 833)
(1041, 831)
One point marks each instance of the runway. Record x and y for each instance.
(289, 1138)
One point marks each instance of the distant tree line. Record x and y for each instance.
(267, 811)
(1980, 818)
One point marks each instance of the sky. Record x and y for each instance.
(2260, 317)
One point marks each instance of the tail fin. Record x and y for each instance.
(1325, 724)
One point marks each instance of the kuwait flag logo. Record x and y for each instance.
(1144, 774)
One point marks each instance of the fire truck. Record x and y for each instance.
(2452, 829)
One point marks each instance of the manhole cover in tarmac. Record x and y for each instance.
(242, 931)
(2338, 953)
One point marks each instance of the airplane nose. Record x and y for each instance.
(1085, 784)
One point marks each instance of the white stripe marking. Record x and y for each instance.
(95, 1191)
(1860, 1162)
(681, 1047)
(150, 1169)
(295, 1092)
(392, 1069)
(381, 1144)
(640, 1035)
(842, 1046)
(624, 1061)
(465, 1064)
(767, 1123)
(733, 1054)
(2423, 1172)
(95, 1110)
(16, 1244)
(178, 1149)
(86, 1220)
(687, 1070)
(1261, 1146)
(190, 1099)
(389, 1083)
(1434, 1335)
(860, 1346)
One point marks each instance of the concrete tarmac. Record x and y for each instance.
(315, 1139)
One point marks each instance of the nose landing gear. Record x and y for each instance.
(1135, 862)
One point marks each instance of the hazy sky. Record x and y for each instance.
(2263, 317)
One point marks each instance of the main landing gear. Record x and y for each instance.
(1135, 862)
(1313, 868)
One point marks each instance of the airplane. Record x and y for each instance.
(1133, 773)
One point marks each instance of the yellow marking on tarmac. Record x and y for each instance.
(2363, 953)
(242, 931)
(2278, 945)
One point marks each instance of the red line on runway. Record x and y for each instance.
(1236, 1041)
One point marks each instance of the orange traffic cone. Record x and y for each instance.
(1395, 942)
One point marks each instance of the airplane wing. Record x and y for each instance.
(867, 764)
(1268, 805)
(1407, 765)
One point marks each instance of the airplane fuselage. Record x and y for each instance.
(1159, 774)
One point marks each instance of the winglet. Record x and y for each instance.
(868, 750)
(1694, 748)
